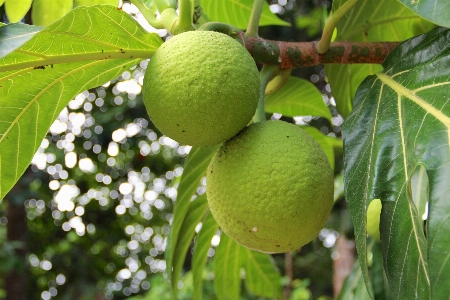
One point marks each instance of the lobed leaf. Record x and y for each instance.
(401, 120)
(369, 21)
(237, 13)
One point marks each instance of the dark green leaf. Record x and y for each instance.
(194, 170)
(13, 36)
(436, 11)
(227, 269)
(401, 120)
(298, 97)
(237, 13)
(202, 245)
(262, 277)
(194, 215)
(369, 21)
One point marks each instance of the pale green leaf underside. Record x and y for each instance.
(369, 21)
(85, 33)
(401, 119)
(32, 93)
(12, 36)
(237, 13)
(298, 97)
(31, 100)
(435, 10)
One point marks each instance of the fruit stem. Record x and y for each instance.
(255, 15)
(268, 72)
(185, 16)
(324, 43)
(148, 14)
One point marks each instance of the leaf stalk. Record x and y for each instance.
(324, 43)
(255, 15)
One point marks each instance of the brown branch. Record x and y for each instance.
(289, 55)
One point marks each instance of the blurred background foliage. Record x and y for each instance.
(90, 217)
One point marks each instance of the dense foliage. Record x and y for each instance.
(109, 207)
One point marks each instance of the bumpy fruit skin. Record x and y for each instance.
(270, 188)
(373, 219)
(201, 88)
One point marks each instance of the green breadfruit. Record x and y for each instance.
(201, 88)
(270, 188)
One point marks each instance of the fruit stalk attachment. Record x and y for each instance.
(148, 14)
(268, 72)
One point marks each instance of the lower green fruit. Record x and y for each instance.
(373, 219)
(270, 188)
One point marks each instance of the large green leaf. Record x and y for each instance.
(262, 277)
(298, 97)
(13, 36)
(31, 100)
(85, 33)
(194, 170)
(369, 21)
(237, 13)
(401, 120)
(32, 94)
(199, 258)
(436, 11)
(227, 269)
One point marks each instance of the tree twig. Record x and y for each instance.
(288, 55)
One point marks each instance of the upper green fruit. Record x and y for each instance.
(270, 188)
(373, 219)
(201, 88)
